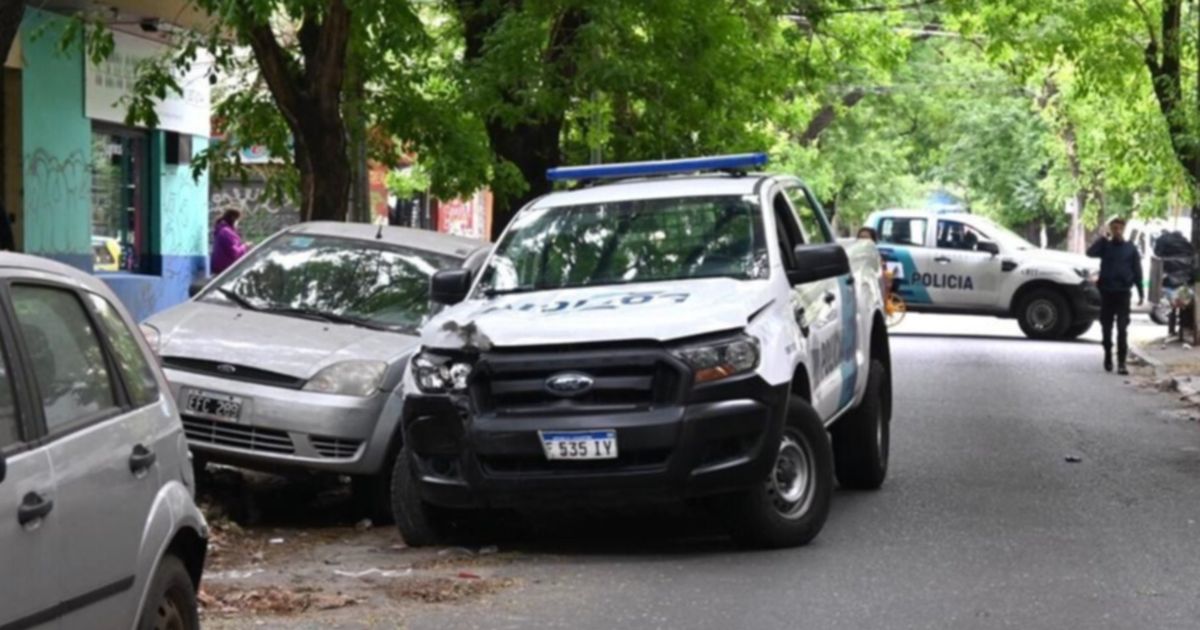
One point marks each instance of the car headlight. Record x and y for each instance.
(348, 378)
(438, 374)
(1091, 275)
(722, 359)
(152, 336)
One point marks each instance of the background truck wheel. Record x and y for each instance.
(171, 600)
(1043, 314)
(420, 524)
(862, 439)
(1076, 331)
(790, 507)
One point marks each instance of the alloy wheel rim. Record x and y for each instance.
(1043, 315)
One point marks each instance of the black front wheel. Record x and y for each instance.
(789, 507)
(1044, 314)
(862, 438)
(420, 524)
(171, 601)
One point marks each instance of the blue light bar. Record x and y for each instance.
(739, 162)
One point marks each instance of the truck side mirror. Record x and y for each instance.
(989, 247)
(450, 286)
(197, 286)
(818, 262)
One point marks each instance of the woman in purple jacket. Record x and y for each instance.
(227, 244)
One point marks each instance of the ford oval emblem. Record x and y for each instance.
(569, 384)
(225, 368)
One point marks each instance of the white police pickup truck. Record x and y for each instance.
(966, 264)
(669, 331)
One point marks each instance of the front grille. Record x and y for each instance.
(623, 381)
(335, 448)
(233, 372)
(238, 436)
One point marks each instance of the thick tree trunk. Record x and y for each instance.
(11, 13)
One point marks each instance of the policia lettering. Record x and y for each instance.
(943, 281)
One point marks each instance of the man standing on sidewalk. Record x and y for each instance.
(1120, 272)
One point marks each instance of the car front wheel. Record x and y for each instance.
(789, 507)
(1044, 314)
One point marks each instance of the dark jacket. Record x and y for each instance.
(1120, 265)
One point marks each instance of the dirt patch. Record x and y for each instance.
(229, 600)
(444, 590)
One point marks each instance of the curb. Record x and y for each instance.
(1183, 386)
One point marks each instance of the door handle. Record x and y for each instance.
(942, 260)
(141, 459)
(830, 298)
(34, 507)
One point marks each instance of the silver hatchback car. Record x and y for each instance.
(98, 528)
(292, 358)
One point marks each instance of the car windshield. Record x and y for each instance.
(341, 280)
(623, 242)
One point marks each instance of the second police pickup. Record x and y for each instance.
(966, 264)
(680, 330)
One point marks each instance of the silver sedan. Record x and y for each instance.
(292, 359)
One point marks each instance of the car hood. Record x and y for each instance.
(293, 346)
(1053, 257)
(660, 311)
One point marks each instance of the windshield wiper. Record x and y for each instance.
(528, 289)
(237, 299)
(329, 318)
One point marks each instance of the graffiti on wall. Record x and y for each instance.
(57, 202)
(261, 215)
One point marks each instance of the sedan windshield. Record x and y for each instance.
(629, 241)
(339, 280)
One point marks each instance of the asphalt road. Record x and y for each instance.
(983, 523)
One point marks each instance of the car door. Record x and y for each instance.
(816, 230)
(815, 305)
(97, 444)
(29, 526)
(903, 245)
(962, 276)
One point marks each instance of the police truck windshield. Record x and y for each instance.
(624, 242)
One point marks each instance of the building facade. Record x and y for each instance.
(116, 200)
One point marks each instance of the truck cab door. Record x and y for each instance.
(963, 275)
(817, 306)
(903, 244)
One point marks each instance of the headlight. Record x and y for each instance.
(715, 361)
(153, 337)
(438, 374)
(348, 378)
(1091, 275)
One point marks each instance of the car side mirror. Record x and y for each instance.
(197, 286)
(818, 262)
(989, 247)
(450, 286)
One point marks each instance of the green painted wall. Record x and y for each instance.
(56, 144)
(184, 206)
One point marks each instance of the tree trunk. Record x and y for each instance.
(11, 13)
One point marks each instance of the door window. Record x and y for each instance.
(68, 362)
(785, 230)
(816, 232)
(119, 199)
(955, 235)
(131, 361)
(903, 231)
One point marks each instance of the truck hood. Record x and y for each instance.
(1050, 256)
(658, 311)
(293, 346)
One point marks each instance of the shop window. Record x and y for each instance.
(120, 200)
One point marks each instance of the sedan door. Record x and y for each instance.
(99, 449)
(29, 526)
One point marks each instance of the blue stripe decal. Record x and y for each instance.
(912, 292)
(849, 340)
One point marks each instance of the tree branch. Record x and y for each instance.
(883, 8)
(827, 115)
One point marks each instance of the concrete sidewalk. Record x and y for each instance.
(1175, 363)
